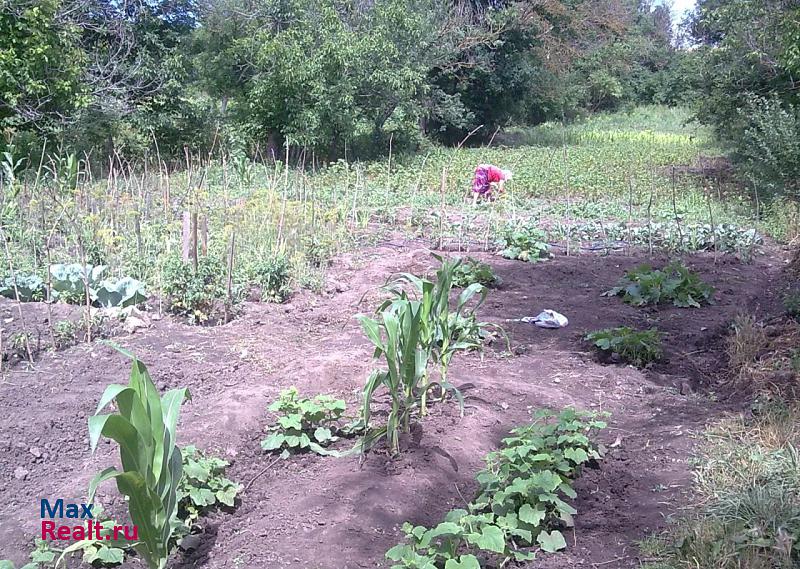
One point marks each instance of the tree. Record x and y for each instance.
(41, 64)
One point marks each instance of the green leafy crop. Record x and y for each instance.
(524, 241)
(639, 347)
(310, 424)
(195, 294)
(271, 275)
(203, 485)
(30, 288)
(520, 504)
(471, 271)
(674, 283)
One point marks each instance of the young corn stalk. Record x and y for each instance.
(443, 331)
(144, 426)
(396, 337)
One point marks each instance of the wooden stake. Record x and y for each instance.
(204, 236)
(229, 277)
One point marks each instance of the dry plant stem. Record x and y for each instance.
(630, 213)
(675, 209)
(713, 227)
(261, 473)
(442, 188)
(566, 188)
(49, 299)
(13, 274)
(649, 211)
(229, 277)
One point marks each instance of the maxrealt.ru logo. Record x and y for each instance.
(67, 531)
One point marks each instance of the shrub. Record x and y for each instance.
(770, 146)
(304, 423)
(271, 275)
(195, 294)
(471, 271)
(525, 242)
(319, 247)
(675, 283)
(634, 346)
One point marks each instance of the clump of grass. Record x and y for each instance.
(638, 347)
(791, 303)
(748, 482)
(745, 343)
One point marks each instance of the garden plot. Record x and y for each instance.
(326, 512)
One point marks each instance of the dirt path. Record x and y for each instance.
(330, 514)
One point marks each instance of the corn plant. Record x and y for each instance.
(144, 427)
(397, 337)
(444, 331)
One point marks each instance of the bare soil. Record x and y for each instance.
(328, 513)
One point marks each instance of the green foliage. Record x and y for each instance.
(65, 333)
(319, 248)
(271, 275)
(747, 482)
(639, 347)
(69, 281)
(770, 148)
(674, 283)
(195, 294)
(32, 87)
(203, 486)
(30, 288)
(397, 337)
(520, 501)
(145, 429)
(97, 551)
(791, 303)
(119, 293)
(471, 271)
(746, 82)
(668, 236)
(411, 333)
(524, 241)
(304, 423)
(444, 330)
